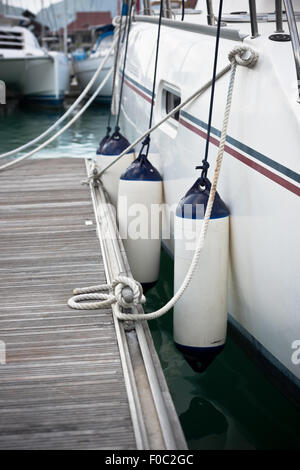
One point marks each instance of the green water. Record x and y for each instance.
(19, 125)
(232, 405)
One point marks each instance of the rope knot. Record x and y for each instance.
(128, 292)
(243, 55)
(124, 290)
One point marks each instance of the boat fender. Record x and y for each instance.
(108, 153)
(139, 205)
(200, 316)
(103, 141)
(153, 156)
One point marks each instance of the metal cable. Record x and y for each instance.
(238, 56)
(204, 227)
(115, 70)
(146, 142)
(205, 165)
(129, 13)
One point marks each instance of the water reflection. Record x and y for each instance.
(232, 405)
(19, 125)
(202, 411)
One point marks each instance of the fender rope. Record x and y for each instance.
(96, 172)
(106, 300)
(244, 56)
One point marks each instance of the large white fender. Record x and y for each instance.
(200, 316)
(108, 151)
(139, 205)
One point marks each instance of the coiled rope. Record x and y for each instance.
(244, 56)
(106, 300)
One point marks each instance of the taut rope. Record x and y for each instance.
(239, 56)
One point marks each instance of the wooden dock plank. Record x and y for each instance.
(62, 386)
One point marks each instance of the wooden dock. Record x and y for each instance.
(66, 384)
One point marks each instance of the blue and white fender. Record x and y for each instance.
(139, 204)
(103, 141)
(200, 316)
(110, 150)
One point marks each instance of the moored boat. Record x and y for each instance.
(85, 65)
(260, 176)
(33, 73)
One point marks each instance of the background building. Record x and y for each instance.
(81, 31)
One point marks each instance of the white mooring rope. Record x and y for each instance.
(66, 114)
(242, 56)
(97, 174)
(61, 131)
(106, 300)
(76, 102)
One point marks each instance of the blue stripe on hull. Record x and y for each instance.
(52, 100)
(246, 149)
(103, 99)
(235, 143)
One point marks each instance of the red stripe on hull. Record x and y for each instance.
(139, 92)
(255, 166)
(250, 163)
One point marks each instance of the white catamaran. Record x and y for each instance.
(34, 73)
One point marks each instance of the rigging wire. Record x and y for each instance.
(47, 17)
(55, 25)
(146, 142)
(205, 165)
(129, 12)
(115, 71)
(125, 13)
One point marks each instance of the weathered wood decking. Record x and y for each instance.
(62, 385)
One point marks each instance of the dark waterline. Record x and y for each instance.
(232, 405)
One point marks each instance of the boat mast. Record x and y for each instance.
(65, 16)
(43, 22)
(147, 7)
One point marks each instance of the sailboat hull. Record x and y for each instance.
(260, 178)
(43, 79)
(84, 71)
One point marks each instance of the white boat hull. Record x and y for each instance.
(44, 78)
(260, 175)
(84, 71)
